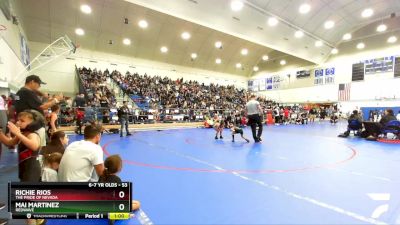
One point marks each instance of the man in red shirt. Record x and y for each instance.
(79, 114)
(286, 114)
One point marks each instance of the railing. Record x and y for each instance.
(123, 92)
(80, 84)
(105, 115)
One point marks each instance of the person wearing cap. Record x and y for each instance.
(27, 97)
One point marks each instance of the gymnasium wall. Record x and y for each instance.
(377, 87)
(10, 53)
(60, 75)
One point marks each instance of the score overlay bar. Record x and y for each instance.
(73, 200)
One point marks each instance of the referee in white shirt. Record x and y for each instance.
(254, 114)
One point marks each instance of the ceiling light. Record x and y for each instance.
(255, 68)
(360, 45)
(218, 61)
(329, 24)
(304, 8)
(367, 13)
(392, 39)
(218, 44)
(193, 55)
(164, 49)
(299, 34)
(126, 41)
(381, 28)
(272, 21)
(334, 51)
(185, 36)
(143, 24)
(283, 62)
(318, 43)
(79, 31)
(236, 5)
(265, 57)
(86, 9)
(347, 36)
(238, 65)
(244, 51)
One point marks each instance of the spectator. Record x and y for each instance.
(58, 141)
(3, 117)
(398, 116)
(27, 98)
(103, 102)
(387, 117)
(12, 115)
(51, 165)
(83, 160)
(28, 142)
(373, 129)
(3, 123)
(355, 116)
(123, 115)
(112, 166)
(53, 120)
(79, 116)
(313, 114)
(79, 100)
(106, 117)
(3, 113)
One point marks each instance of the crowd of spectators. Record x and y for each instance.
(168, 93)
(95, 84)
(192, 98)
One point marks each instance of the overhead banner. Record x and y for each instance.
(379, 65)
(262, 85)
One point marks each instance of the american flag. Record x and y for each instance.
(344, 92)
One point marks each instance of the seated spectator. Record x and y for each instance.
(58, 141)
(334, 117)
(79, 100)
(354, 123)
(398, 116)
(83, 160)
(112, 166)
(50, 167)
(373, 129)
(106, 117)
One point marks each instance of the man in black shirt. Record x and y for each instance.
(123, 115)
(27, 97)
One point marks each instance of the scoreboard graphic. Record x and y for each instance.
(73, 200)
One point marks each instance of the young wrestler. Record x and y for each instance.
(237, 130)
(219, 127)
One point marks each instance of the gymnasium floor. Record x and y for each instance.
(298, 175)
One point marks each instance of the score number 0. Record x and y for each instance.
(121, 206)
